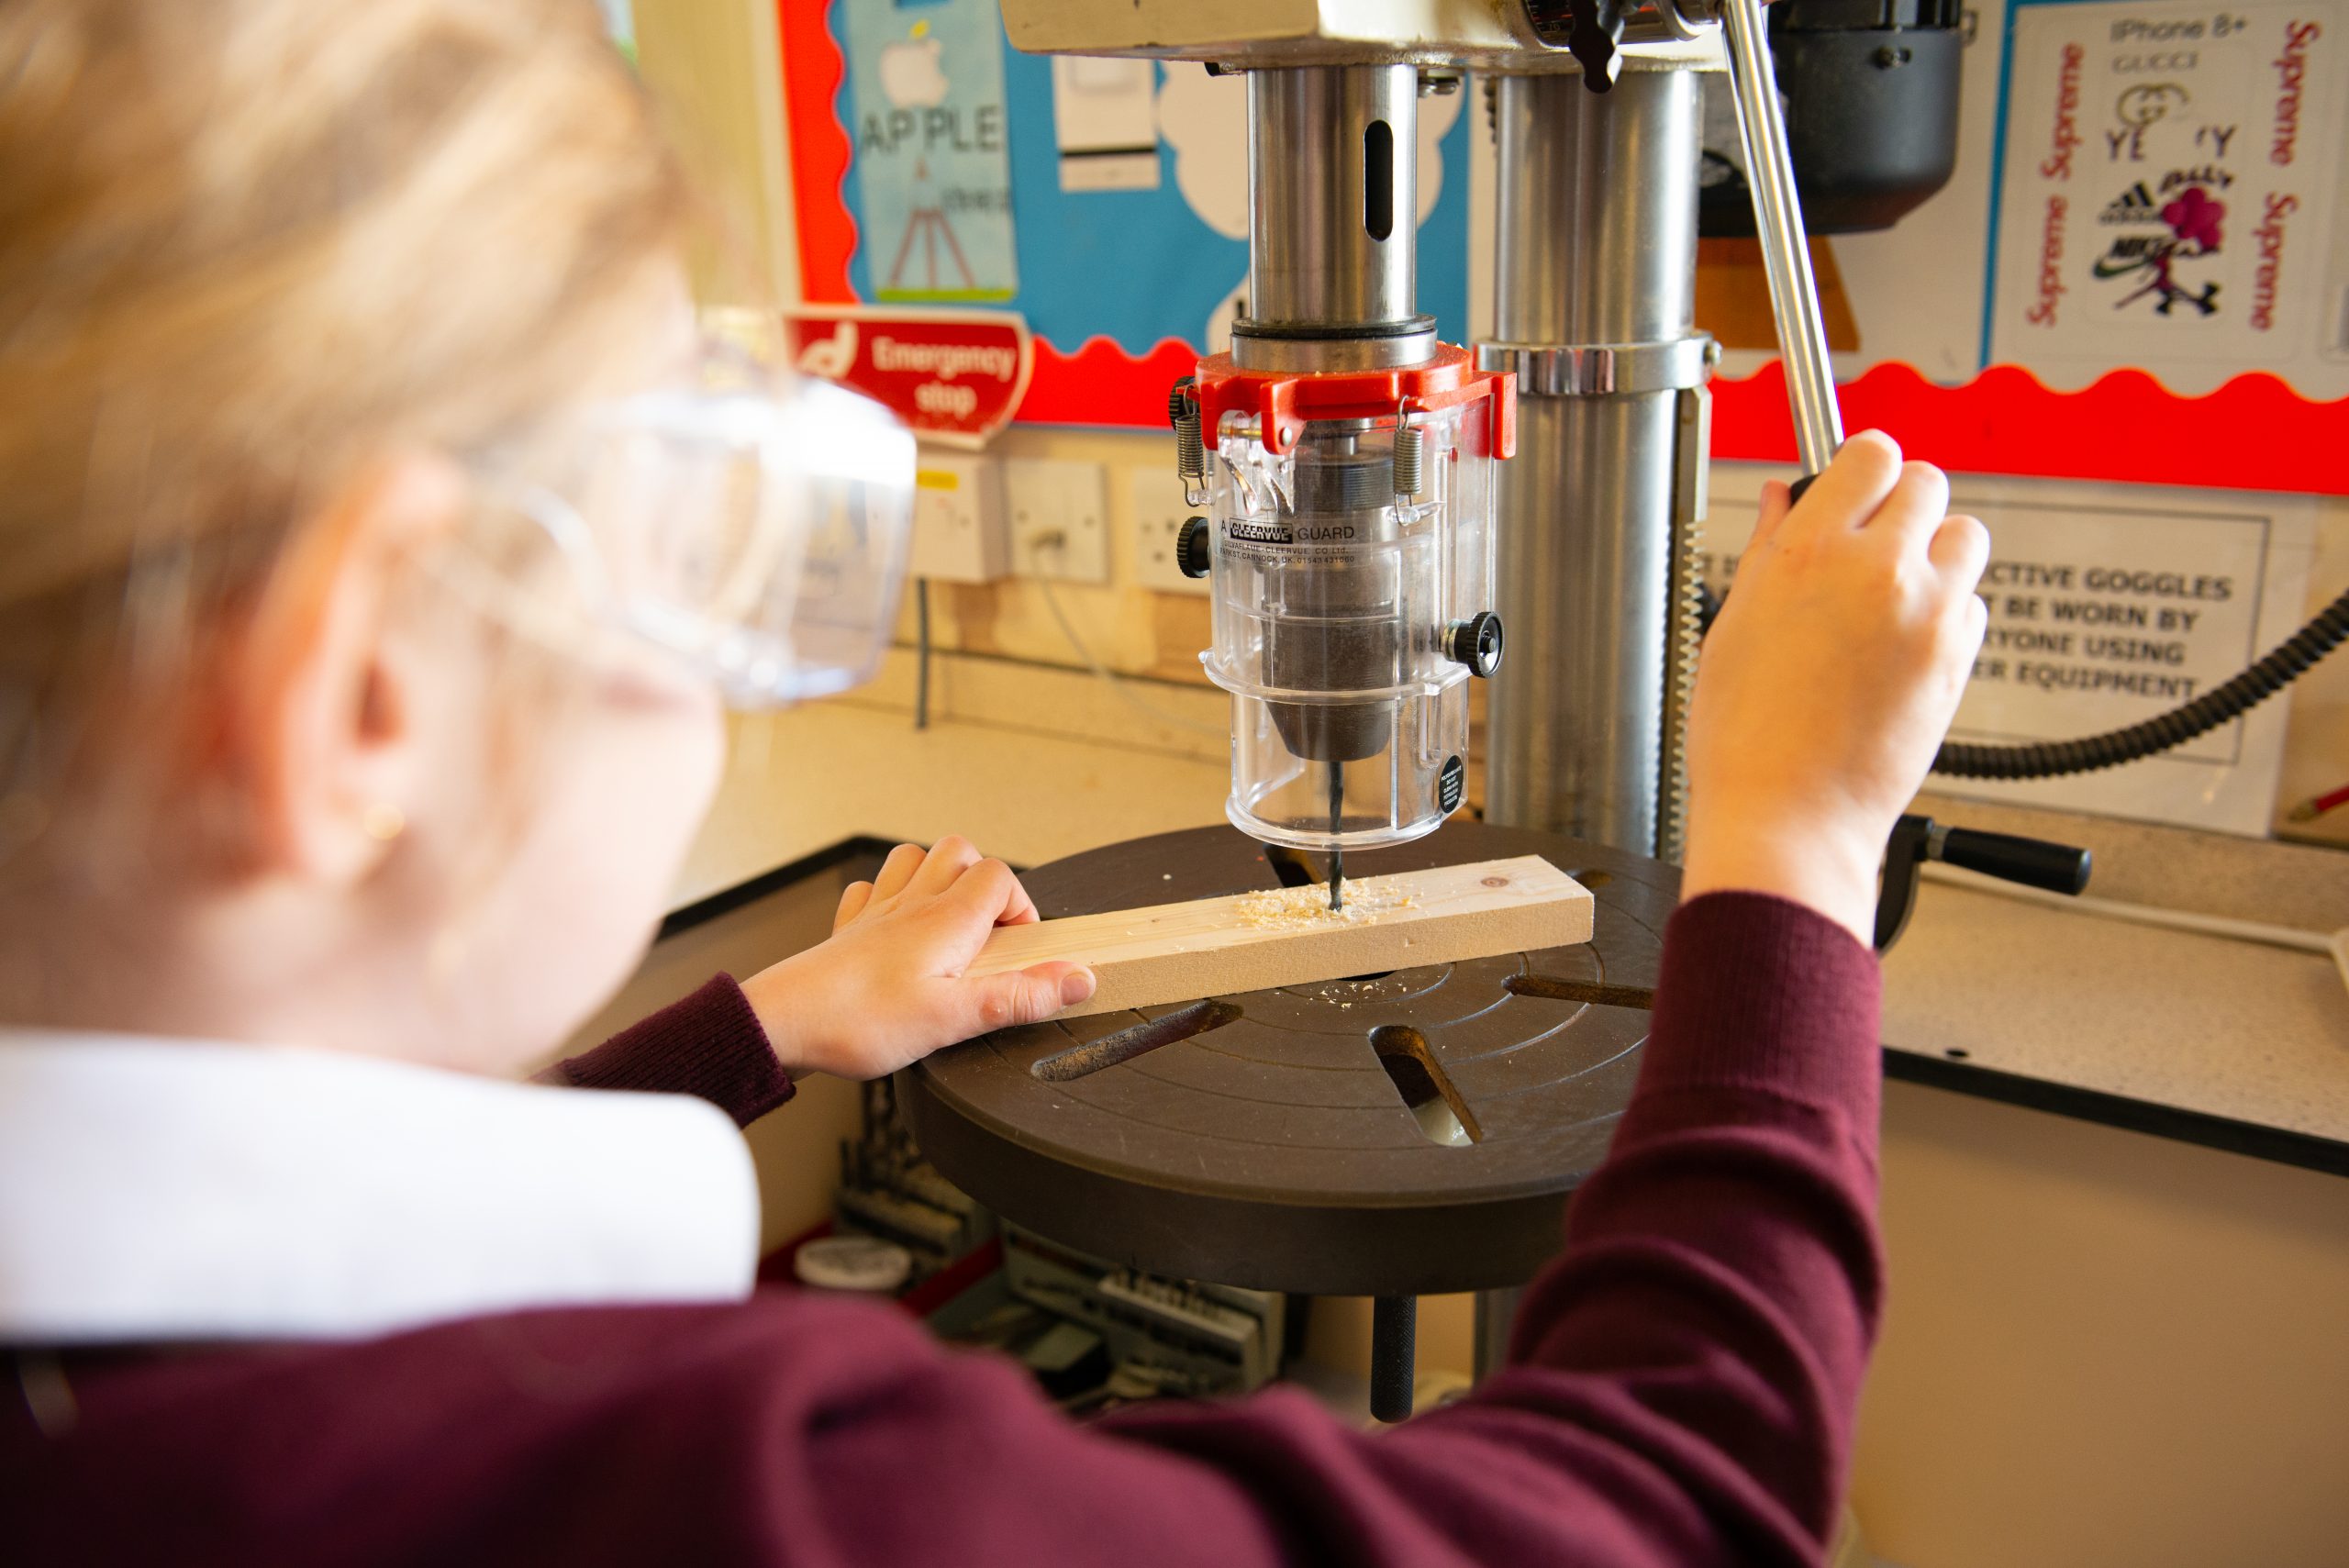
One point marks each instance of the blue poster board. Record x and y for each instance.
(1138, 266)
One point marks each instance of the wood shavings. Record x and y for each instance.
(1302, 908)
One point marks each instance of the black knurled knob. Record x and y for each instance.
(1477, 642)
(1191, 547)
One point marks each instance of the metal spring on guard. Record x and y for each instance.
(1190, 445)
(1411, 448)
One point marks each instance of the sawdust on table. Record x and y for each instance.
(1302, 908)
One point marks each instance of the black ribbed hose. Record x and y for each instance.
(2052, 759)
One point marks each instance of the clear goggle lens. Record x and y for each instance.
(752, 524)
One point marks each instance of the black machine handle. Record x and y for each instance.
(2033, 862)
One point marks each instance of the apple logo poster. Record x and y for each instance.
(933, 165)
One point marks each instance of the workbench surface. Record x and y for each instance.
(2220, 1041)
(2214, 1041)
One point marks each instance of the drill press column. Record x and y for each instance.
(1595, 308)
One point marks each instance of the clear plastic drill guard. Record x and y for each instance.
(1353, 579)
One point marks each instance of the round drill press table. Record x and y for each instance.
(1274, 1150)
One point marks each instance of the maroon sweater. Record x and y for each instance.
(1682, 1390)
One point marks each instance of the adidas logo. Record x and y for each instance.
(2135, 205)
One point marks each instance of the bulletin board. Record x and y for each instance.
(2141, 273)
(1105, 201)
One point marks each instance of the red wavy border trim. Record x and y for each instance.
(813, 67)
(1103, 384)
(2254, 433)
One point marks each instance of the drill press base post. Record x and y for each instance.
(1496, 1316)
(1394, 1355)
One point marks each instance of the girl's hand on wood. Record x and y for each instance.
(1828, 680)
(888, 988)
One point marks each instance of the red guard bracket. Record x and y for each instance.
(1281, 402)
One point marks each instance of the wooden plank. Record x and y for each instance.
(1252, 941)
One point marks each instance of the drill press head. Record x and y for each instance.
(1344, 456)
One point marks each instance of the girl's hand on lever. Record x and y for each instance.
(1828, 680)
(888, 988)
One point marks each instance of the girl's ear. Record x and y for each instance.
(322, 736)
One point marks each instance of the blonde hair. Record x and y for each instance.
(246, 245)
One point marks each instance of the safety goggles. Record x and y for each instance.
(750, 522)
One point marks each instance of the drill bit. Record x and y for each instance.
(1337, 850)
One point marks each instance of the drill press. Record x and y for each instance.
(1367, 541)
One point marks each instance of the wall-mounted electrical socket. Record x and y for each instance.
(1060, 518)
(959, 534)
(1159, 517)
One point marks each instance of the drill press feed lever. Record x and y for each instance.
(1350, 542)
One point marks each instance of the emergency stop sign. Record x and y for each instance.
(954, 375)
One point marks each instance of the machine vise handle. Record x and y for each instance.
(2033, 862)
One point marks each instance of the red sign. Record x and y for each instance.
(954, 375)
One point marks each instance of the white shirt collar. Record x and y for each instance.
(179, 1190)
